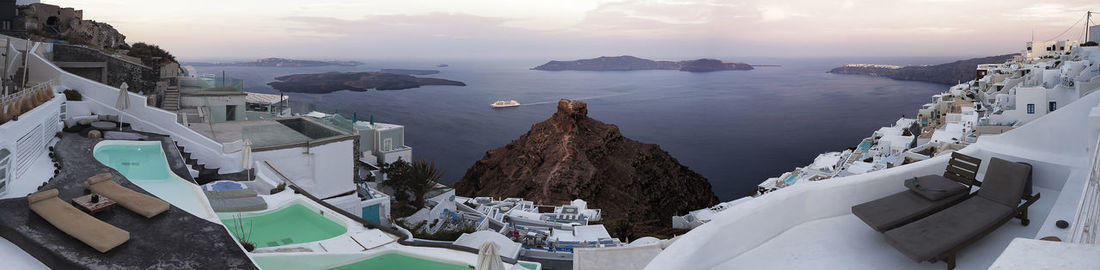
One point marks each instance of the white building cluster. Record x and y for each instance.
(1003, 96)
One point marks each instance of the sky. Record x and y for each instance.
(569, 29)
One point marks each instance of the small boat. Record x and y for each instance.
(504, 104)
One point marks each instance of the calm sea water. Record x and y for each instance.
(736, 128)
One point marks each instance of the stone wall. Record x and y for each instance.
(137, 76)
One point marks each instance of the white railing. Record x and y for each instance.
(1087, 220)
(102, 98)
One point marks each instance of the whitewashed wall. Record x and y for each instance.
(100, 99)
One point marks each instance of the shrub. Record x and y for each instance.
(73, 95)
(151, 55)
(1089, 44)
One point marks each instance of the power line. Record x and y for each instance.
(1067, 29)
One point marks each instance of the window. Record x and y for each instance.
(387, 144)
(1052, 106)
(1030, 108)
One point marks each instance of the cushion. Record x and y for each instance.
(935, 187)
(1005, 182)
(930, 237)
(900, 208)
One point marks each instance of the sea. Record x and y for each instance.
(736, 128)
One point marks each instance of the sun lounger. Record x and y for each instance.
(926, 195)
(137, 202)
(94, 232)
(941, 235)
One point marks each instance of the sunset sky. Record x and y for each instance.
(421, 29)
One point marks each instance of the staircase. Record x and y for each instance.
(171, 99)
(207, 175)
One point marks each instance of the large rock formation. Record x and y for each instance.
(51, 21)
(949, 73)
(571, 156)
(628, 63)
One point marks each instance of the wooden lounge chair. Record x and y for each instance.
(94, 232)
(926, 195)
(137, 202)
(941, 235)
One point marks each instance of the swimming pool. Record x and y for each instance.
(144, 164)
(383, 260)
(790, 179)
(292, 224)
(864, 146)
(400, 261)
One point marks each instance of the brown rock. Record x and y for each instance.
(571, 156)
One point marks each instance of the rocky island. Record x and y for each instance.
(320, 83)
(628, 63)
(571, 156)
(948, 73)
(279, 62)
(409, 71)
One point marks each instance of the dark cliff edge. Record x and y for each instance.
(630, 63)
(948, 73)
(320, 83)
(571, 156)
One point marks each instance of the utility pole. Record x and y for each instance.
(1088, 17)
(26, 57)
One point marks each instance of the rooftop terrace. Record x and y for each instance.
(173, 239)
(275, 133)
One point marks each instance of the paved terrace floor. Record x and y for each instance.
(172, 240)
(845, 242)
(260, 132)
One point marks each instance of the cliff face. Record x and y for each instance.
(571, 156)
(628, 63)
(949, 73)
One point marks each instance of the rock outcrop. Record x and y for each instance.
(949, 73)
(571, 156)
(629, 63)
(354, 81)
(51, 21)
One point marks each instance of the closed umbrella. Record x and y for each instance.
(123, 102)
(487, 257)
(246, 158)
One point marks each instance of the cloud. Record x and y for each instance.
(582, 28)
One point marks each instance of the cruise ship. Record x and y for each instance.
(200, 174)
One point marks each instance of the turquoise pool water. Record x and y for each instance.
(291, 225)
(144, 164)
(864, 146)
(790, 179)
(384, 260)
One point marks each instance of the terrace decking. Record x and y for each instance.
(173, 239)
(845, 242)
(270, 134)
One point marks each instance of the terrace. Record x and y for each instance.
(272, 134)
(167, 240)
(809, 225)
